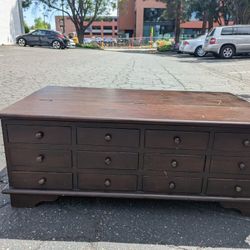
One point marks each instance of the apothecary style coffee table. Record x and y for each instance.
(63, 141)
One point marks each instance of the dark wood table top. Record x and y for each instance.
(93, 104)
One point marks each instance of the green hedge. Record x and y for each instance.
(164, 45)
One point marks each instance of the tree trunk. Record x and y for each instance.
(80, 35)
(178, 22)
(204, 22)
(210, 22)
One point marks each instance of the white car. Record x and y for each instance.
(194, 46)
(71, 44)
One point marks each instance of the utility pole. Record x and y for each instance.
(63, 20)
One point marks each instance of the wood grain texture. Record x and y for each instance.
(90, 104)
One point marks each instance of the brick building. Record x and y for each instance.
(137, 17)
(104, 27)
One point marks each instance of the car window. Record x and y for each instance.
(42, 33)
(36, 33)
(243, 31)
(211, 33)
(49, 33)
(201, 37)
(227, 31)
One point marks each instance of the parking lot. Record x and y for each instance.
(80, 223)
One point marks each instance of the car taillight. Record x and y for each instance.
(60, 36)
(212, 41)
(186, 43)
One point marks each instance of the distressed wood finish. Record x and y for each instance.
(128, 143)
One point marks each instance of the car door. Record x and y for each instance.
(34, 38)
(243, 38)
(44, 41)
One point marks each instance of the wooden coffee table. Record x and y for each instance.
(128, 143)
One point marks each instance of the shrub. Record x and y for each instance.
(92, 45)
(164, 45)
(26, 28)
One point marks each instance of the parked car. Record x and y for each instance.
(227, 41)
(181, 47)
(193, 46)
(71, 44)
(43, 38)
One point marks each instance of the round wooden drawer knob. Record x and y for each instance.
(40, 158)
(246, 143)
(108, 161)
(42, 181)
(238, 189)
(172, 185)
(177, 140)
(242, 166)
(107, 183)
(108, 137)
(39, 135)
(174, 164)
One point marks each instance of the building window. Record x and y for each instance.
(156, 22)
(96, 27)
(107, 27)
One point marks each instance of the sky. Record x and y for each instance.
(34, 12)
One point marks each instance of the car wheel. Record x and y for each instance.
(199, 52)
(21, 42)
(56, 45)
(227, 52)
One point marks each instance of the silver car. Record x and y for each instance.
(227, 41)
(193, 46)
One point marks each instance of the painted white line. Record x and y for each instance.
(35, 244)
(240, 72)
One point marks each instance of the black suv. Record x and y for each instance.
(43, 38)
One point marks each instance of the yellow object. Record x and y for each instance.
(75, 39)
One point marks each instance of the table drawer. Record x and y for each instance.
(39, 134)
(173, 162)
(230, 165)
(39, 159)
(228, 187)
(172, 185)
(39, 180)
(232, 142)
(176, 139)
(107, 160)
(108, 137)
(107, 182)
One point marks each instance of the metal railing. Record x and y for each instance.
(135, 42)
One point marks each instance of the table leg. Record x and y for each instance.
(243, 207)
(24, 200)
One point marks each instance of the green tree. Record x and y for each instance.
(176, 11)
(80, 11)
(26, 3)
(40, 24)
(26, 27)
(237, 10)
(207, 10)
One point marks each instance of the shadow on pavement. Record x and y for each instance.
(124, 221)
(209, 59)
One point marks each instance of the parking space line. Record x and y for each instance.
(240, 72)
